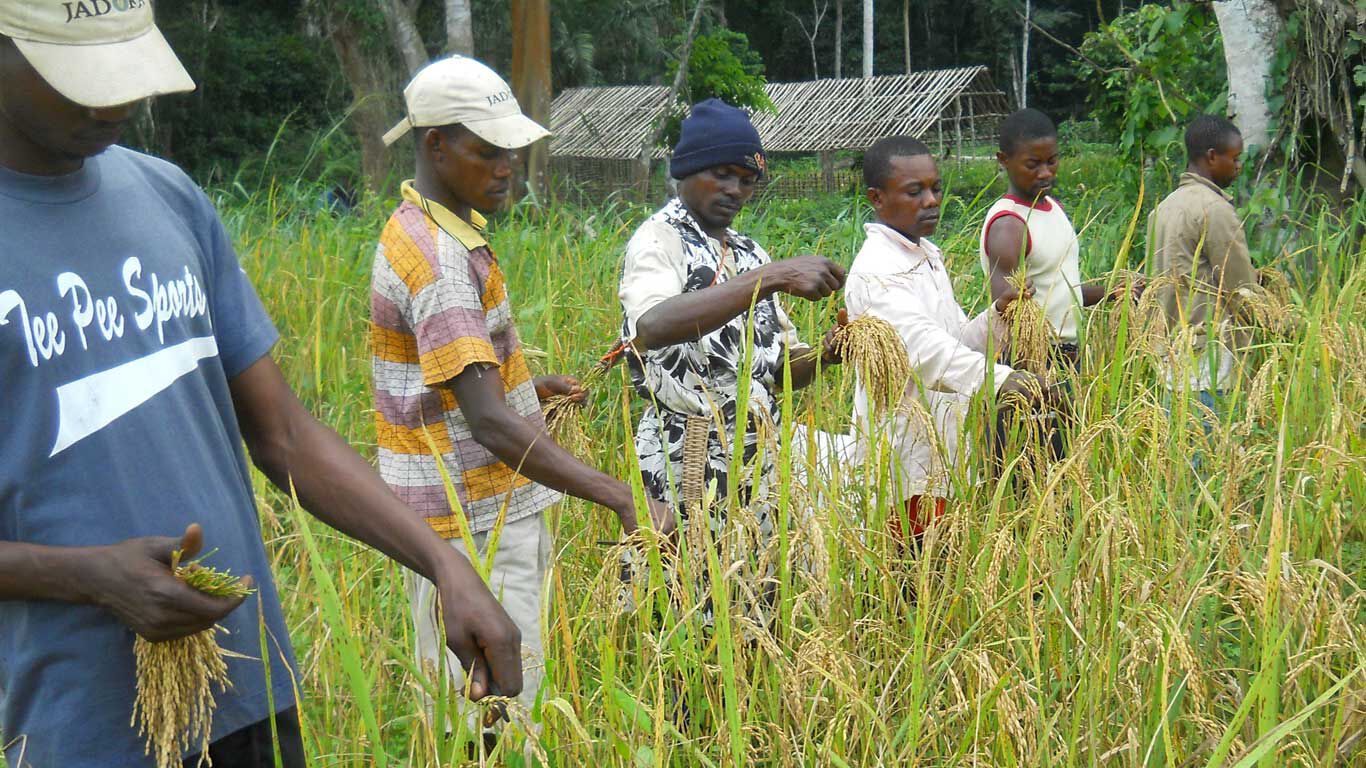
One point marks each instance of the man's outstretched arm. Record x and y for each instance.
(532, 453)
(297, 452)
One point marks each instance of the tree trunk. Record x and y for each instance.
(906, 32)
(1024, 57)
(366, 78)
(459, 27)
(1249, 29)
(401, 18)
(647, 148)
(1015, 80)
(811, 35)
(531, 80)
(839, 39)
(867, 39)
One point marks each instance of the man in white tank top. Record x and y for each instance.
(1028, 229)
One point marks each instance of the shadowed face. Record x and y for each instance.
(1224, 164)
(716, 195)
(1032, 167)
(476, 173)
(43, 132)
(908, 200)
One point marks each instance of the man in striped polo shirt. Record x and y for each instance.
(456, 407)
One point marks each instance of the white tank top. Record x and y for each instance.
(1051, 260)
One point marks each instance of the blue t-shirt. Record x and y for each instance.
(123, 314)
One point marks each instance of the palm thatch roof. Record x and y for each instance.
(811, 116)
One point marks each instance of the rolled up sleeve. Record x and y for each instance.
(652, 272)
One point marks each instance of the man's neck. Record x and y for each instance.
(22, 155)
(913, 238)
(431, 188)
(716, 233)
(1202, 173)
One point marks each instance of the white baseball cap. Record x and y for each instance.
(461, 90)
(97, 53)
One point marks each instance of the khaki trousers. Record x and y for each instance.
(518, 579)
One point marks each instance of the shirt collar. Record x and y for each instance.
(914, 253)
(1045, 202)
(678, 209)
(469, 233)
(1188, 178)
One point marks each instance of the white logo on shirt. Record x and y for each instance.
(91, 403)
(153, 301)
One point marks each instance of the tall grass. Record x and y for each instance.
(1117, 608)
(1166, 595)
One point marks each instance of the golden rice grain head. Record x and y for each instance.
(173, 708)
(1031, 335)
(874, 348)
(564, 421)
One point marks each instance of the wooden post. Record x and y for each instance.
(958, 125)
(531, 80)
(972, 124)
(827, 161)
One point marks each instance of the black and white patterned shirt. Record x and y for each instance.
(669, 255)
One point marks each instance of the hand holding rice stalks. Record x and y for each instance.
(563, 415)
(1031, 335)
(875, 350)
(174, 707)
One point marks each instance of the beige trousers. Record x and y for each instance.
(518, 579)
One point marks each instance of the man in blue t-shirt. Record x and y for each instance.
(136, 359)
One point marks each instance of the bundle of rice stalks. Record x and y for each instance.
(1031, 335)
(174, 707)
(875, 350)
(564, 415)
(1269, 306)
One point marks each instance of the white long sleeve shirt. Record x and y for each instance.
(907, 285)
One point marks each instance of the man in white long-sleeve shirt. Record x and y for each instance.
(899, 276)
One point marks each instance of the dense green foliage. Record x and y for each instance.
(261, 64)
(1149, 72)
(721, 66)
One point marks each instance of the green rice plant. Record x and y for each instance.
(1181, 588)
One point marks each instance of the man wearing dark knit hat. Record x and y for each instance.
(687, 288)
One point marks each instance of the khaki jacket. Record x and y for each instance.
(1196, 240)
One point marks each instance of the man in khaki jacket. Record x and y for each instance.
(1197, 243)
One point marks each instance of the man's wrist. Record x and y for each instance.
(770, 280)
(623, 501)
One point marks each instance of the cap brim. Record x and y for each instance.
(397, 132)
(109, 74)
(511, 132)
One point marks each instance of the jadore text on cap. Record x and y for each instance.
(90, 9)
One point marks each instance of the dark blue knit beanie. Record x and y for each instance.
(716, 134)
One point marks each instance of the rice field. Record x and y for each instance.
(1166, 595)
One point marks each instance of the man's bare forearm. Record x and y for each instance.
(301, 455)
(38, 572)
(533, 454)
(334, 484)
(692, 315)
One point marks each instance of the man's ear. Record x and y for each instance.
(1001, 158)
(434, 142)
(874, 196)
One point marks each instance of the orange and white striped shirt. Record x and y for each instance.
(439, 304)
